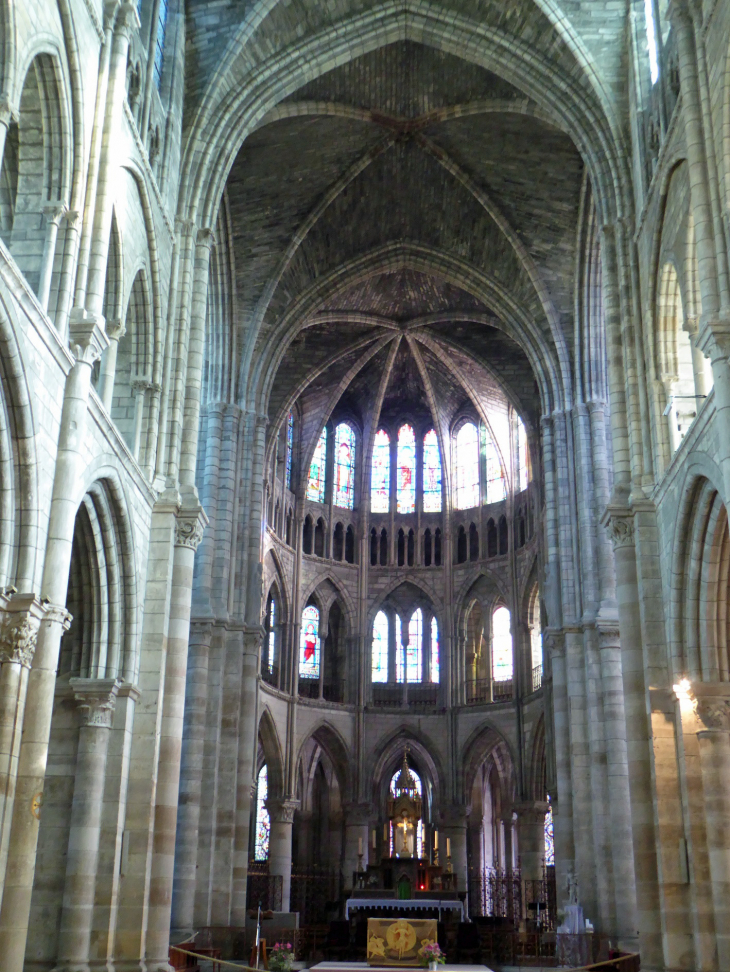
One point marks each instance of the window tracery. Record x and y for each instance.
(271, 639)
(310, 645)
(414, 651)
(344, 466)
(549, 837)
(317, 470)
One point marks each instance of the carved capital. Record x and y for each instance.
(620, 526)
(140, 386)
(282, 811)
(57, 614)
(253, 637)
(713, 712)
(205, 237)
(54, 212)
(19, 626)
(358, 814)
(87, 337)
(454, 815)
(115, 330)
(96, 698)
(553, 643)
(189, 527)
(127, 19)
(713, 336)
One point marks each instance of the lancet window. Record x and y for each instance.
(344, 466)
(435, 652)
(549, 837)
(431, 473)
(310, 644)
(289, 448)
(271, 637)
(501, 645)
(414, 651)
(263, 821)
(496, 485)
(380, 648)
(522, 457)
(467, 467)
(406, 461)
(380, 474)
(160, 42)
(317, 470)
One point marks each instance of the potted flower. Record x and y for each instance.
(281, 957)
(432, 956)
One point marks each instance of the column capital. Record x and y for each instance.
(57, 614)
(115, 330)
(454, 815)
(619, 521)
(713, 335)
(127, 19)
(96, 698)
(358, 814)
(19, 626)
(54, 211)
(282, 811)
(532, 810)
(553, 641)
(87, 336)
(140, 385)
(678, 12)
(189, 527)
(609, 635)
(253, 636)
(205, 237)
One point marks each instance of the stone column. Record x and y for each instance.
(281, 813)
(140, 389)
(54, 213)
(88, 340)
(20, 621)
(95, 698)
(712, 708)
(115, 331)
(6, 116)
(357, 827)
(531, 838)
(188, 534)
(453, 827)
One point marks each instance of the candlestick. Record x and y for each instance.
(436, 840)
(359, 846)
(375, 839)
(448, 847)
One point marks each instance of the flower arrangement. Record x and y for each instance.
(281, 957)
(431, 955)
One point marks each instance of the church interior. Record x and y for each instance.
(364, 482)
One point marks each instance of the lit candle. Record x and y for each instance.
(359, 846)
(375, 838)
(435, 840)
(448, 847)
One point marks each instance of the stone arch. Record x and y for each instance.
(538, 762)
(388, 754)
(331, 742)
(272, 755)
(130, 403)
(674, 355)
(485, 741)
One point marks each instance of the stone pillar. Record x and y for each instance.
(357, 828)
(712, 708)
(54, 213)
(531, 838)
(191, 777)
(188, 534)
(453, 828)
(281, 813)
(140, 389)
(115, 331)
(6, 116)
(20, 621)
(95, 699)
(87, 342)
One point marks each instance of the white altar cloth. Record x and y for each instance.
(409, 904)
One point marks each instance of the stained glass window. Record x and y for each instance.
(549, 837)
(522, 467)
(496, 487)
(315, 489)
(435, 657)
(406, 469)
(419, 828)
(309, 645)
(289, 447)
(467, 467)
(272, 635)
(501, 645)
(414, 651)
(263, 822)
(160, 43)
(380, 647)
(431, 473)
(344, 466)
(651, 41)
(380, 474)
(399, 652)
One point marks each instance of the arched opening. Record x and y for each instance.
(334, 656)
(492, 540)
(133, 375)
(380, 474)
(473, 542)
(373, 547)
(338, 542)
(427, 548)
(437, 547)
(401, 548)
(383, 547)
(308, 535)
(319, 538)
(675, 354)
(503, 536)
(502, 656)
(461, 548)
(350, 545)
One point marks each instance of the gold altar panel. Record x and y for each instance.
(398, 941)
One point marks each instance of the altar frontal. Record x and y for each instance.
(399, 941)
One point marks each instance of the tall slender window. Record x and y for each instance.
(467, 467)
(501, 645)
(549, 836)
(272, 636)
(496, 486)
(435, 654)
(380, 648)
(431, 473)
(522, 463)
(414, 652)
(399, 652)
(263, 821)
(160, 42)
(289, 447)
(380, 474)
(317, 467)
(309, 645)
(651, 40)
(406, 469)
(344, 466)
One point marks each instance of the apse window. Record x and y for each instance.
(344, 466)
(406, 494)
(501, 645)
(317, 470)
(523, 472)
(414, 651)
(651, 40)
(309, 645)
(270, 661)
(431, 473)
(435, 657)
(380, 474)
(380, 648)
(289, 447)
(549, 837)
(467, 467)
(496, 484)
(160, 42)
(263, 821)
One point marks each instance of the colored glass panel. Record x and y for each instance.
(160, 42)
(315, 489)
(309, 645)
(522, 466)
(501, 645)
(263, 821)
(549, 837)
(289, 447)
(435, 656)
(380, 648)
(344, 466)
(399, 651)
(467, 467)
(272, 635)
(431, 473)
(651, 41)
(414, 651)
(496, 486)
(380, 474)
(406, 492)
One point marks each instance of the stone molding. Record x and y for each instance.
(713, 713)
(282, 811)
(189, 527)
(454, 815)
(620, 526)
(54, 211)
(127, 19)
(20, 623)
(205, 237)
(96, 698)
(115, 330)
(87, 336)
(57, 614)
(358, 814)
(554, 643)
